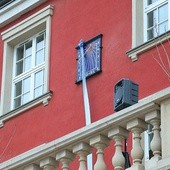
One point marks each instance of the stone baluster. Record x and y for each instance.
(100, 142)
(82, 150)
(137, 126)
(65, 157)
(32, 167)
(165, 127)
(48, 163)
(118, 134)
(154, 119)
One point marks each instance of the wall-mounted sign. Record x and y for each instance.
(92, 58)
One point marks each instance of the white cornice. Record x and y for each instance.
(27, 22)
(17, 8)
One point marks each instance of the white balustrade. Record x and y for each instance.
(65, 157)
(82, 150)
(100, 142)
(118, 134)
(32, 167)
(137, 126)
(154, 110)
(48, 163)
(154, 119)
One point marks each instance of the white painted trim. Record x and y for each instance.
(137, 22)
(29, 73)
(23, 26)
(101, 126)
(134, 52)
(17, 8)
(44, 99)
(25, 29)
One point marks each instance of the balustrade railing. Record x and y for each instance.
(154, 110)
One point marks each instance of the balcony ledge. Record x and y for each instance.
(102, 126)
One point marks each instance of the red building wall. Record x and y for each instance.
(74, 20)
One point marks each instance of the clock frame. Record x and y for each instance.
(92, 58)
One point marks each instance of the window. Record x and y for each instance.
(156, 16)
(150, 20)
(4, 3)
(29, 67)
(92, 58)
(26, 63)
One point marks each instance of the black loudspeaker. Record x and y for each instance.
(125, 94)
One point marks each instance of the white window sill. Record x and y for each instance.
(44, 99)
(134, 52)
(17, 8)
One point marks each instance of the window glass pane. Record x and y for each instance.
(17, 102)
(19, 67)
(26, 85)
(38, 91)
(40, 42)
(27, 63)
(151, 1)
(19, 60)
(151, 19)
(20, 53)
(18, 88)
(39, 57)
(39, 78)
(163, 27)
(150, 34)
(163, 13)
(28, 48)
(25, 98)
(32, 86)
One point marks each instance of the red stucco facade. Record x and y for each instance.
(74, 20)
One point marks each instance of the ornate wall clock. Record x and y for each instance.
(92, 58)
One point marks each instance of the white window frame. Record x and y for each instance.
(29, 73)
(18, 33)
(149, 8)
(139, 44)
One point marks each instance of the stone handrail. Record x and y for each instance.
(116, 126)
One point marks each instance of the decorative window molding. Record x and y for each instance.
(134, 52)
(17, 8)
(43, 99)
(29, 69)
(92, 58)
(139, 27)
(137, 23)
(155, 18)
(20, 32)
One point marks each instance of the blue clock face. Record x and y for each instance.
(92, 58)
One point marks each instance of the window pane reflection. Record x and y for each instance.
(163, 13)
(39, 78)
(40, 42)
(39, 57)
